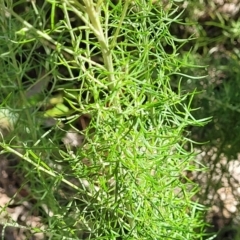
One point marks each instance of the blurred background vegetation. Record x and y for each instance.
(214, 28)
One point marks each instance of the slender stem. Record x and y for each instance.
(45, 168)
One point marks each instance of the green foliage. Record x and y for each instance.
(215, 27)
(107, 68)
(216, 48)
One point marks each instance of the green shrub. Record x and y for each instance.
(100, 72)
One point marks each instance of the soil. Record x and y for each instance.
(16, 204)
